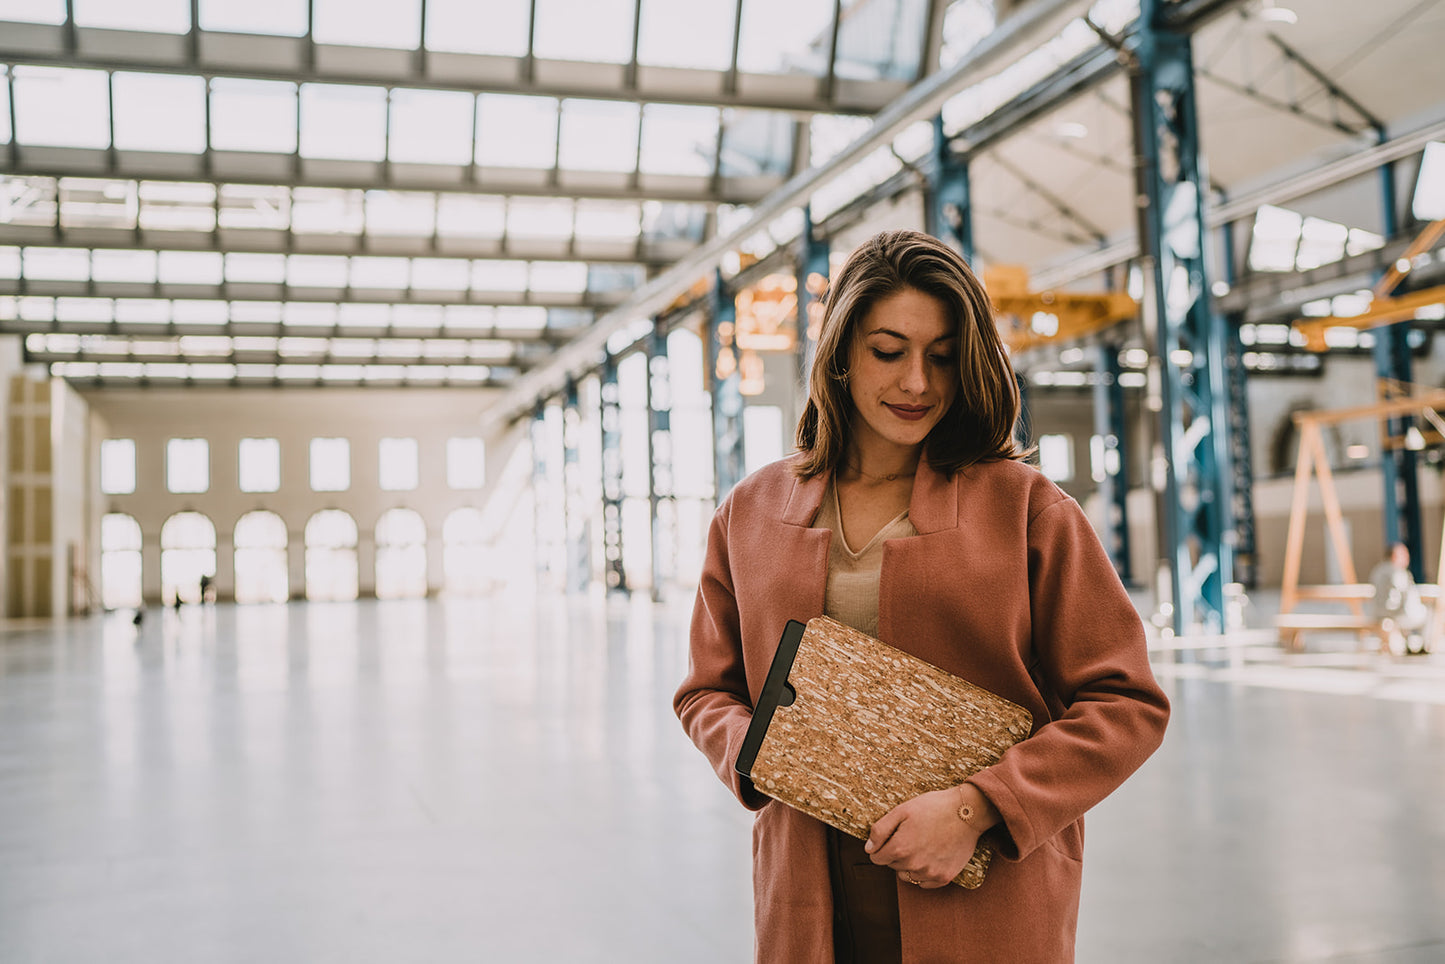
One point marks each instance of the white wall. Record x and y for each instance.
(294, 416)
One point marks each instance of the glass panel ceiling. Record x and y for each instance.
(33, 11)
(60, 107)
(597, 30)
(362, 273)
(785, 38)
(516, 131)
(253, 115)
(69, 107)
(283, 17)
(502, 320)
(159, 112)
(343, 122)
(877, 38)
(465, 26)
(698, 35)
(598, 135)
(159, 16)
(369, 23)
(881, 39)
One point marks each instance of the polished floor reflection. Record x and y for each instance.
(503, 780)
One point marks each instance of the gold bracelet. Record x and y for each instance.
(966, 810)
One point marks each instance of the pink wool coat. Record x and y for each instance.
(1005, 585)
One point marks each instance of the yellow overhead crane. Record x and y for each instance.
(1028, 319)
(1384, 310)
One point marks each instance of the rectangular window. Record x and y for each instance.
(260, 465)
(117, 466)
(188, 465)
(1056, 457)
(330, 464)
(398, 466)
(466, 463)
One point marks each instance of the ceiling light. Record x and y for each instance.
(1072, 129)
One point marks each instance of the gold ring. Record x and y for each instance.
(911, 879)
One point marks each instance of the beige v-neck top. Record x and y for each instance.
(851, 596)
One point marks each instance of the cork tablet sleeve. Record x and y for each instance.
(847, 728)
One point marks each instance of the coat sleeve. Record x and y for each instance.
(713, 702)
(1093, 660)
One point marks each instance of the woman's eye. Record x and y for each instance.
(943, 359)
(887, 355)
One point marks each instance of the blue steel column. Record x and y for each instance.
(948, 215)
(727, 397)
(659, 449)
(1401, 503)
(812, 284)
(1246, 550)
(1196, 503)
(614, 572)
(577, 524)
(1109, 426)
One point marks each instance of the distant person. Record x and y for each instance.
(1397, 603)
(207, 595)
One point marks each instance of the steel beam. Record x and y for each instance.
(1193, 457)
(812, 275)
(1241, 446)
(1393, 366)
(1111, 428)
(1245, 205)
(614, 572)
(727, 399)
(949, 211)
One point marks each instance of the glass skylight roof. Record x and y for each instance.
(334, 238)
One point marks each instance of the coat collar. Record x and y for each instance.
(933, 507)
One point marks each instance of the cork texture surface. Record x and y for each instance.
(872, 726)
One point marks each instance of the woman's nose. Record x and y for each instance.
(915, 375)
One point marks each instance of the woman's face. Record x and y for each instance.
(902, 369)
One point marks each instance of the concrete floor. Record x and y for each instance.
(503, 781)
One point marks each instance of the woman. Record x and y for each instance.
(908, 514)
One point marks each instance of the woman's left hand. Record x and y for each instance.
(923, 840)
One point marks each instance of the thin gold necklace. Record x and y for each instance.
(891, 477)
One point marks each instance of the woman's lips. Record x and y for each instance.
(911, 413)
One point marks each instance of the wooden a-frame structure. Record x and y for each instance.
(1313, 460)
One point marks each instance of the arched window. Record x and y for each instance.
(261, 570)
(400, 555)
(120, 565)
(331, 556)
(464, 554)
(188, 552)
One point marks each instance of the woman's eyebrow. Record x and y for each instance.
(902, 337)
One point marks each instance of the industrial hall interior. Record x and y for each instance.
(372, 371)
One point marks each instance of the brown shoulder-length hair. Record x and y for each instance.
(978, 426)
